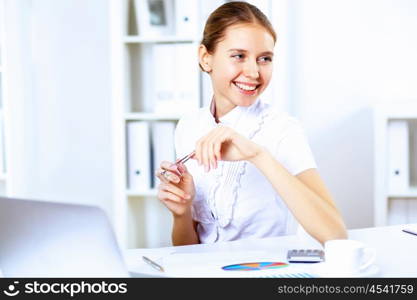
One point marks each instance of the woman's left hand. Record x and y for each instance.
(223, 143)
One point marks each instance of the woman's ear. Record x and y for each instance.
(204, 58)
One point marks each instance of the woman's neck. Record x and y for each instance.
(221, 107)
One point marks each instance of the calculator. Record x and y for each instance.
(305, 256)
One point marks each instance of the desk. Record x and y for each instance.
(396, 250)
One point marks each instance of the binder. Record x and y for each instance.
(397, 211)
(412, 211)
(164, 77)
(398, 157)
(186, 17)
(186, 78)
(176, 78)
(162, 144)
(139, 156)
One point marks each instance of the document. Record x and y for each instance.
(212, 264)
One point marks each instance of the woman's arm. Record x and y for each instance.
(177, 192)
(184, 230)
(306, 196)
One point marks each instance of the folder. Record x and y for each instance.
(186, 17)
(397, 211)
(187, 94)
(176, 78)
(412, 211)
(162, 144)
(164, 77)
(398, 157)
(139, 156)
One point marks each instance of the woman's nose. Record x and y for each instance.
(251, 69)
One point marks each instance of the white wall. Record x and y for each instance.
(60, 100)
(349, 54)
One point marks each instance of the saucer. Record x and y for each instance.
(322, 271)
(371, 271)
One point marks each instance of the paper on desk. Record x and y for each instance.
(209, 264)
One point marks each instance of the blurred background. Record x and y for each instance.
(91, 90)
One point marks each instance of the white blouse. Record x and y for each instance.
(235, 200)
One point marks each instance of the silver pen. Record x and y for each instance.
(153, 264)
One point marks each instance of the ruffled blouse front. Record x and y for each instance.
(235, 200)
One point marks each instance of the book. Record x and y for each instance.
(398, 156)
(138, 155)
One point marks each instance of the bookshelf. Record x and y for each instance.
(395, 206)
(139, 218)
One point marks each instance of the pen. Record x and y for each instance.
(153, 264)
(181, 160)
(409, 231)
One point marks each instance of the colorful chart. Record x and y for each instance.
(255, 266)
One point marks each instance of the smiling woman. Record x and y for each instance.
(253, 173)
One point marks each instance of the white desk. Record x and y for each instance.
(396, 250)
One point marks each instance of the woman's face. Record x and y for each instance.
(241, 65)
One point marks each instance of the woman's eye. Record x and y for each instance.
(238, 56)
(265, 59)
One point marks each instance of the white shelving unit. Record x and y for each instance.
(385, 202)
(140, 219)
(3, 106)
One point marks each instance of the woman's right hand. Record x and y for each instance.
(176, 190)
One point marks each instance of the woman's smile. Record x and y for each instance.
(246, 88)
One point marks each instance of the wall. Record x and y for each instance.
(61, 100)
(347, 56)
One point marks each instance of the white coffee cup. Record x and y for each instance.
(347, 258)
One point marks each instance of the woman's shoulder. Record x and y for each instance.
(279, 119)
(192, 118)
(193, 114)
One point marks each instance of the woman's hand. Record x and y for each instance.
(223, 143)
(176, 190)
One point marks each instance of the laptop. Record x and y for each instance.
(49, 239)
